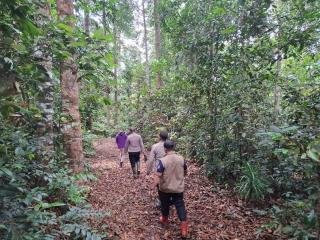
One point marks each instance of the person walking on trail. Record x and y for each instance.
(170, 173)
(121, 139)
(157, 152)
(134, 147)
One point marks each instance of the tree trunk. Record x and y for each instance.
(86, 21)
(71, 126)
(115, 70)
(104, 17)
(107, 88)
(145, 43)
(157, 39)
(277, 91)
(45, 100)
(116, 61)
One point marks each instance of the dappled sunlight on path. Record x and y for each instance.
(134, 216)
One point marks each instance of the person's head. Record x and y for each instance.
(163, 135)
(168, 145)
(131, 130)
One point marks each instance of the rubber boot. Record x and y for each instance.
(164, 220)
(184, 229)
(134, 172)
(138, 168)
(121, 164)
(157, 203)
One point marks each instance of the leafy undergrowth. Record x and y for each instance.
(211, 214)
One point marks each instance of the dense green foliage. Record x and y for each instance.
(241, 96)
(226, 62)
(40, 197)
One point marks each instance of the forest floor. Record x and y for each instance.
(212, 213)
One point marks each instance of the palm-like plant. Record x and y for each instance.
(252, 184)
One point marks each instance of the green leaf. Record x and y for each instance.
(229, 30)
(2, 226)
(19, 151)
(99, 35)
(314, 155)
(29, 28)
(7, 172)
(65, 28)
(217, 12)
(287, 229)
(79, 43)
(109, 58)
(45, 205)
(106, 101)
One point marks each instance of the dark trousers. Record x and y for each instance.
(134, 158)
(176, 199)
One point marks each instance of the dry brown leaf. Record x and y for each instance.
(212, 215)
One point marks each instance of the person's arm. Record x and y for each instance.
(156, 179)
(150, 161)
(141, 146)
(157, 175)
(185, 168)
(126, 146)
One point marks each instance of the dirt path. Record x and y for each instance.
(212, 215)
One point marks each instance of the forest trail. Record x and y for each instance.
(211, 215)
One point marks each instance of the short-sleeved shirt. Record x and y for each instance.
(157, 152)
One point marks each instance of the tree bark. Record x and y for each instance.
(71, 126)
(116, 61)
(45, 100)
(277, 90)
(86, 21)
(145, 43)
(104, 17)
(107, 88)
(157, 39)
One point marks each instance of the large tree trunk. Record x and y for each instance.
(71, 127)
(277, 90)
(86, 21)
(157, 39)
(104, 17)
(116, 61)
(107, 88)
(45, 100)
(145, 43)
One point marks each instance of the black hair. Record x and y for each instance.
(163, 135)
(169, 145)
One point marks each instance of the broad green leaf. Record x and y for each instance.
(65, 27)
(79, 43)
(7, 171)
(217, 12)
(101, 36)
